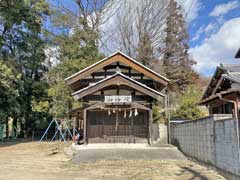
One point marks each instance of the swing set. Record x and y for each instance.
(62, 130)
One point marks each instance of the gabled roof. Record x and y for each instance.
(224, 71)
(117, 79)
(117, 57)
(216, 76)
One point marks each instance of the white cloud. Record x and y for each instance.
(198, 34)
(191, 9)
(219, 47)
(209, 28)
(222, 9)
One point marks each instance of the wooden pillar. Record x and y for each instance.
(150, 125)
(133, 130)
(85, 126)
(116, 126)
(129, 71)
(238, 105)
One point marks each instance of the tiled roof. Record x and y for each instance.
(231, 67)
(233, 76)
(227, 71)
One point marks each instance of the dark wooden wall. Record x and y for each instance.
(114, 128)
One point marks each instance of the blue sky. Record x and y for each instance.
(214, 29)
(214, 33)
(204, 18)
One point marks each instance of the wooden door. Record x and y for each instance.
(117, 127)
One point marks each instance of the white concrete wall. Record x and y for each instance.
(160, 133)
(212, 140)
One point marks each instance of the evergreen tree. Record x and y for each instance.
(9, 91)
(145, 50)
(78, 48)
(21, 49)
(176, 61)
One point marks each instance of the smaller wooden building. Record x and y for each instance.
(222, 95)
(117, 93)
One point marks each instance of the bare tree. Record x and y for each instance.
(90, 13)
(136, 20)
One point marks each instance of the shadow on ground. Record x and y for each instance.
(13, 142)
(195, 174)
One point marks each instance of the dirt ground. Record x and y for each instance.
(46, 161)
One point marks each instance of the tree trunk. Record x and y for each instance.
(7, 128)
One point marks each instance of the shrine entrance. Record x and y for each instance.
(117, 126)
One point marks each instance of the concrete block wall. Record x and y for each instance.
(212, 139)
(226, 146)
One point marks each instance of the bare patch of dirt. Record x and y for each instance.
(46, 161)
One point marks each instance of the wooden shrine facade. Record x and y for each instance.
(117, 94)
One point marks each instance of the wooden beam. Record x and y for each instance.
(111, 60)
(115, 66)
(109, 73)
(150, 124)
(85, 126)
(101, 98)
(85, 82)
(118, 87)
(217, 85)
(133, 92)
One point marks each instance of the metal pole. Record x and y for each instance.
(60, 131)
(69, 132)
(54, 135)
(169, 120)
(46, 130)
(236, 117)
(74, 123)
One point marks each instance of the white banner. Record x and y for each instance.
(118, 99)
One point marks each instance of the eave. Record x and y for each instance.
(117, 79)
(117, 57)
(216, 96)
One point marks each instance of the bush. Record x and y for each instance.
(187, 106)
